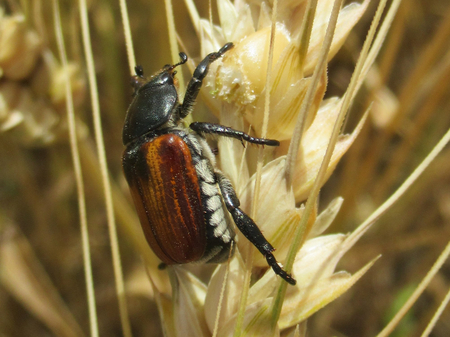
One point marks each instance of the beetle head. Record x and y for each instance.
(154, 101)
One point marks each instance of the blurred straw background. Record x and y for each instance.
(42, 289)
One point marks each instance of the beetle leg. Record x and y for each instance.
(196, 81)
(248, 227)
(225, 131)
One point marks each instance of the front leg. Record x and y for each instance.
(196, 81)
(225, 131)
(248, 227)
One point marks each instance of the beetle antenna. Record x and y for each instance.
(139, 71)
(184, 59)
(138, 80)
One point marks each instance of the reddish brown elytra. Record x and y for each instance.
(168, 200)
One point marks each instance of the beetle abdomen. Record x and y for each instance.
(166, 193)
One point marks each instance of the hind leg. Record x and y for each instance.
(249, 228)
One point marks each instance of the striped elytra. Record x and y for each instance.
(165, 190)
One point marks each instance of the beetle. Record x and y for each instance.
(181, 199)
